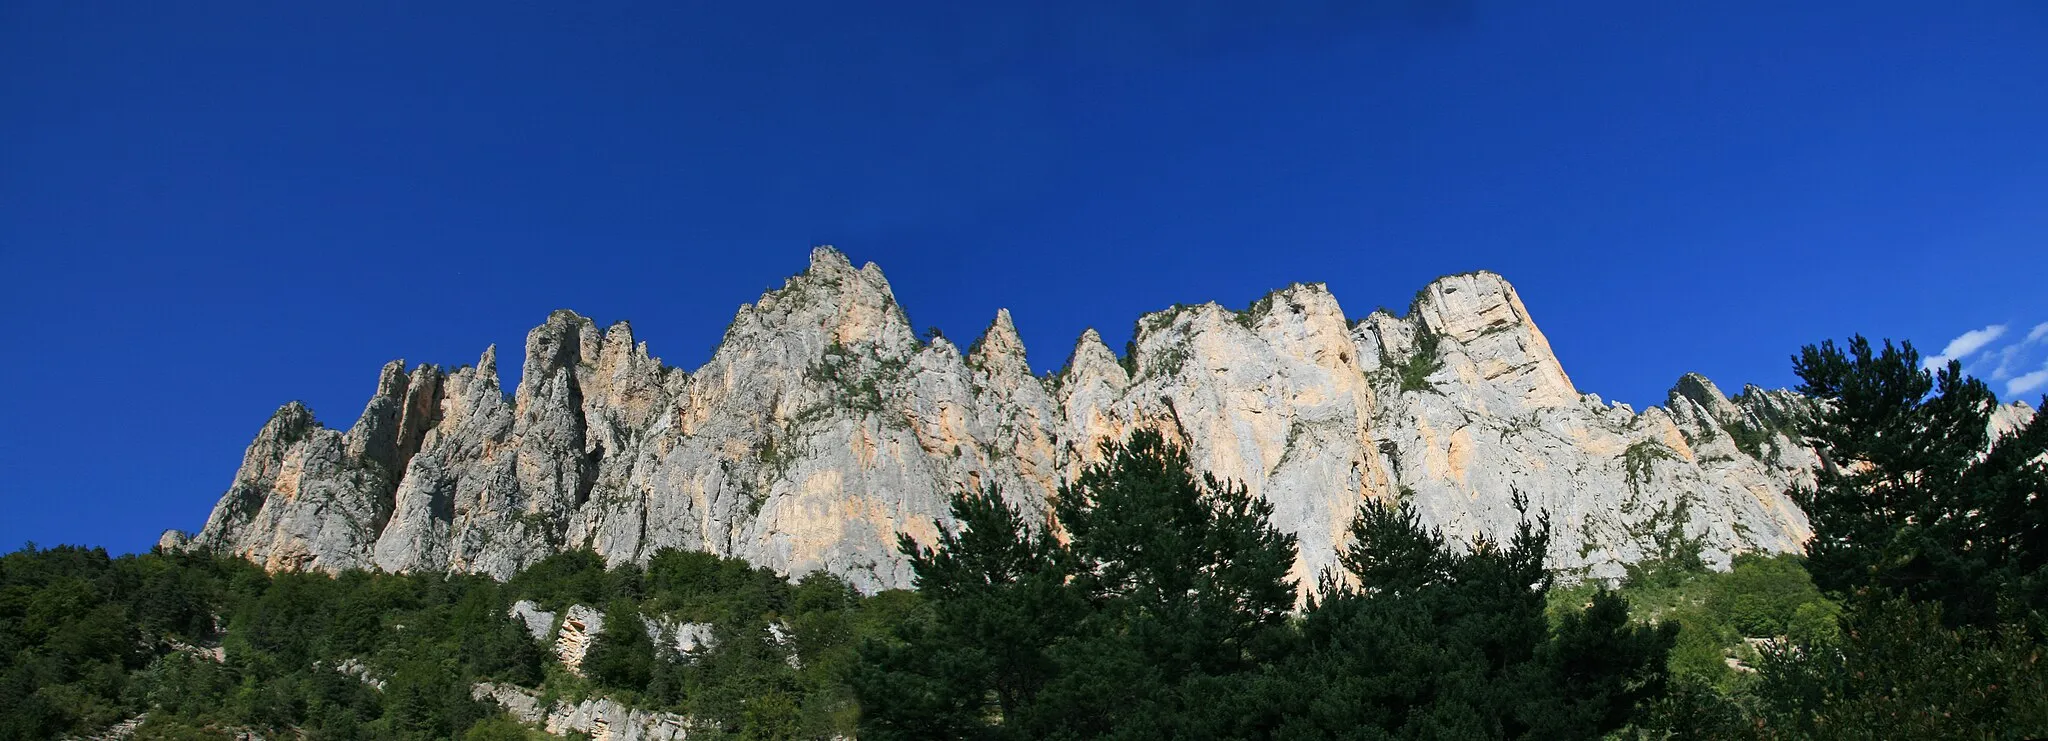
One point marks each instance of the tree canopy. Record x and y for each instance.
(1916, 497)
(1166, 613)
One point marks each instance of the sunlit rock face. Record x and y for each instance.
(1494, 418)
(823, 426)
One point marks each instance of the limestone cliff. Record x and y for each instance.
(822, 427)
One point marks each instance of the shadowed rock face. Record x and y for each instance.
(823, 426)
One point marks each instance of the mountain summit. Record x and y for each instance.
(823, 426)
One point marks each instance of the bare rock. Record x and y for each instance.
(683, 638)
(601, 719)
(537, 621)
(581, 625)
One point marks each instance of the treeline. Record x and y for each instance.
(1168, 613)
(212, 646)
(1162, 608)
(208, 644)
(775, 659)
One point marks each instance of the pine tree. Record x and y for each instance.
(622, 656)
(1170, 590)
(1423, 640)
(1897, 672)
(1915, 497)
(997, 596)
(1935, 535)
(1188, 592)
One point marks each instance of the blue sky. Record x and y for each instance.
(208, 209)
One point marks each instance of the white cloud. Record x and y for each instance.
(2008, 358)
(2027, 383)
(1966, 343)
(2038, 333)
(1972, 341)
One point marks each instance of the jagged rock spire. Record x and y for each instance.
(1000, 347)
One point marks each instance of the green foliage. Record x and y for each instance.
(1896, 671)
(775, 457)
(1748, 438)
(1169, 361)
(1929, 530)
(1414, 373)
(1815, 623)
(1249, 317)
(1166, 614)
(1187, 587)
(622, 657)
(861, 379)
(1720, 617)
(745, 683)
(1675, 555)
(67, 639)
(1170, 588)
(1641, 456)
(90, 640)
(499, 727)
(1933, 534)
(1759, 596)
(1917, 499)
(996, 601)
(1166, 362)
(1436, 642)
(564, 579)
(1151, 539)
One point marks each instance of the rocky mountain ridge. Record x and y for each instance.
(822, 426)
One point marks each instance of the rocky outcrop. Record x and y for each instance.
(353, 667)
(823, 426)
(678, 637)
(118, 731)
(538, 622)
(581, 625)
(600, 719)
(127, 729)
(2009, 418)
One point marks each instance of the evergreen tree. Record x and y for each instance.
(1188, 565)
(1898, 672)
(1915, 498)
(1424, 641)
(1599, 668)
(1187, 592)
(1169, 592)
(622, 656)
(997, 597)
(492, 643)
(564, 579)
(87, 640)
(1935, 534)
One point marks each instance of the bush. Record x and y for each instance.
(498, 727)
(1760, 594)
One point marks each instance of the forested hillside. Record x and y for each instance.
(1150, 602)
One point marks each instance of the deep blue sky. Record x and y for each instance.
(208, 209)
